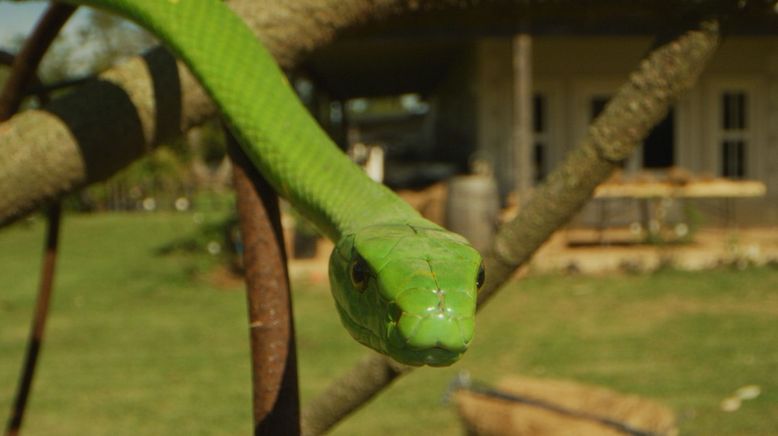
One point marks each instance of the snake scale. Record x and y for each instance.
(402, 285)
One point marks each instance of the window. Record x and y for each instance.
(597, 105)
(659, 145)
(734, 127)
(733, 153)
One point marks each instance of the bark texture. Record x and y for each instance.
(372, 374)
(637, 107)
(103, 126)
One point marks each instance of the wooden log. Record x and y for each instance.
(555, 407)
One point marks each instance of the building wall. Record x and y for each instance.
(494, 91)
(453, 108)
(770, 175)
(569, 72)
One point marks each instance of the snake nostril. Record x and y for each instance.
(441, 294)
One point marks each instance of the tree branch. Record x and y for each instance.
(667, 72)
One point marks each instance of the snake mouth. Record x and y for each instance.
(433, 356)
(398, 348)
(408, 351)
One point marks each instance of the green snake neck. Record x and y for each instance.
(274, 129)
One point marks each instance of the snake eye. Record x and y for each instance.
(479, 281)
(359, 273)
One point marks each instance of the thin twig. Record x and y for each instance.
(35, 340)
(6, 58)
(26, 62)
(23, 72)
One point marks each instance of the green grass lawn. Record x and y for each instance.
(139, 343)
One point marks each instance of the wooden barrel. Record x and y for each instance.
(472, 209)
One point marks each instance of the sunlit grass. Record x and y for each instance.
(140, 343)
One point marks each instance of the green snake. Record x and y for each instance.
(402, 285)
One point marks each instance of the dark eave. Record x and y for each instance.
(412, 52)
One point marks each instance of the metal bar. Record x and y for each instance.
(274, 362)
(23, 73)
(35, 341)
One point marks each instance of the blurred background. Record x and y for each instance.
(664, 286)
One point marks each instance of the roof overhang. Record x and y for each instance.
(412, 52)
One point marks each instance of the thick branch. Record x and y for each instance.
(637, 107)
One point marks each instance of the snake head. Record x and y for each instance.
(407, 291)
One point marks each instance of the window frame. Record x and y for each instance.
(552, 91)
(754, 89)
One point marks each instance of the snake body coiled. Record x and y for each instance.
(402, 285)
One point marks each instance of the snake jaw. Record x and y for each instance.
(395, 347)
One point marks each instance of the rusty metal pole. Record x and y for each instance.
(273, 354)
(23, 73)
(35, 340)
